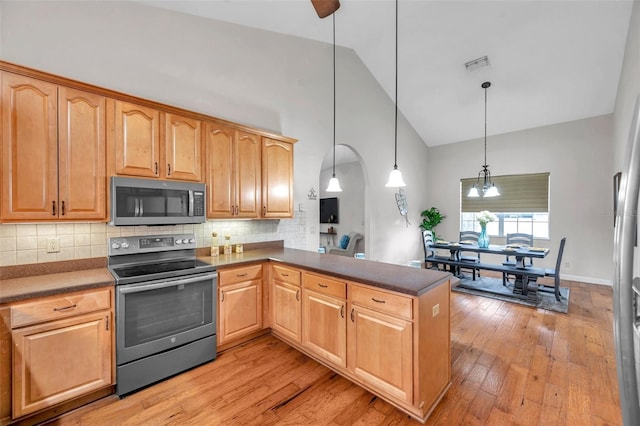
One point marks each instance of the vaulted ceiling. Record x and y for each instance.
(549, 61)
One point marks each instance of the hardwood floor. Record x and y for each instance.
(511, 364)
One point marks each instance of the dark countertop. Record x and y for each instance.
(16, 289)
(403, 279)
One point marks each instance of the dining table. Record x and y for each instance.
(525, 273)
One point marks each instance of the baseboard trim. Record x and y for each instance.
(588, 280)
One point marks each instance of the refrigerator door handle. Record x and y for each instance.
(624, 294)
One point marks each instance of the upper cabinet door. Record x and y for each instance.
(247, 174)
(137, 140)
(218, 171)
(183, 141)
(29, 149)
(277, 179)
(82, 184)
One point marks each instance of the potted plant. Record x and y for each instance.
(430, 219)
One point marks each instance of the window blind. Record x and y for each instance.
(518, 194)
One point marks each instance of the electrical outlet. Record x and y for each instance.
(435, 310)
(53, 245)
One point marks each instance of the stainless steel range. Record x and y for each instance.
(165, 308)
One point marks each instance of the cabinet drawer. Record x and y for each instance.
(238, 275)
(57, 307)
(381, 301)
(325, 285)
(287, 275)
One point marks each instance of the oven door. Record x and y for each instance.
(156, 316)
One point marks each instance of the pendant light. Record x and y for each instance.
(334, 185)
(395, 177)
(488, 187)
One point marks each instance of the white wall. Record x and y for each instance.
(578, 156)
(258, 78)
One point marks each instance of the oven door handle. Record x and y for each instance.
(165, 284)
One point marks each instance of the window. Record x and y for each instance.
(509, 223)
(523, 205)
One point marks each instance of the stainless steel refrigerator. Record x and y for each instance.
(626, 282)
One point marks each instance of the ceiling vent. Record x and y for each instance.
(476, 64)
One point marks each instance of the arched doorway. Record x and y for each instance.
(350, 202)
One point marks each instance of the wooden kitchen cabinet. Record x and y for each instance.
(232, 172)
(57, 360)
(239, 302)
(286, 320)
(324, 321)
(53, 152)
(277, 179)
(136, 139)
(381, 350)
(182, 148)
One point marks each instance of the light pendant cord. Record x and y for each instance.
(395, 155)
(485, 123)
(334, 94)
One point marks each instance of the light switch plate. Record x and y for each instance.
(53, 245)
(435, 310)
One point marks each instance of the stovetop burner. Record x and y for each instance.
(150, 258)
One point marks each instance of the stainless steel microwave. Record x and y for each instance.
(136, 201)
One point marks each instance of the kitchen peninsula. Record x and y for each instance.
(385, 327)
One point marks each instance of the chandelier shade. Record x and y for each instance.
(486, 187)
(334, 184)
(395, 177)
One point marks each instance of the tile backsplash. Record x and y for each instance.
(27, 243)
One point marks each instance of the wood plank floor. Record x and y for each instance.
(511, 364)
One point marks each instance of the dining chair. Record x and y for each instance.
(469, 236)
(555, 273)
(516, 238)
(430, 256)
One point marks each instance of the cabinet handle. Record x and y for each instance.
(65, 308)
(264, 210)
(298, 295)
(156, 167)
(241, 275)
(237, 210)
(106, 326)
(342, 311)
(378, 301)
(62, 207)
(168, 170)
(352, 319)
(222, 296)
(323, 285)
(53, 212)
(284, 275)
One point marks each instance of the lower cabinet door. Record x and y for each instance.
(60, 360)
(381, 351)
(325, 327)
(286, 312)
(240, 310)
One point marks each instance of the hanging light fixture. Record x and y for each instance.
(488, 187)
(395, 177)
(334, 185)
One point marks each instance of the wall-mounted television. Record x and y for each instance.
(329, 210)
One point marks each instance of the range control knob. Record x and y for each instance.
(115, 245)
(124, 245)
(185, 241)
(178, 241)
(192, 240)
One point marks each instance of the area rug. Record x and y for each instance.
(493, 288)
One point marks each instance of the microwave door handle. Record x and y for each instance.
(136, 207)
(141, 207)
(191, 203)
(165, 284)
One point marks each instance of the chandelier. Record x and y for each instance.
(488, 187)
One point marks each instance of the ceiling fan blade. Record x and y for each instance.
(325, 8)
